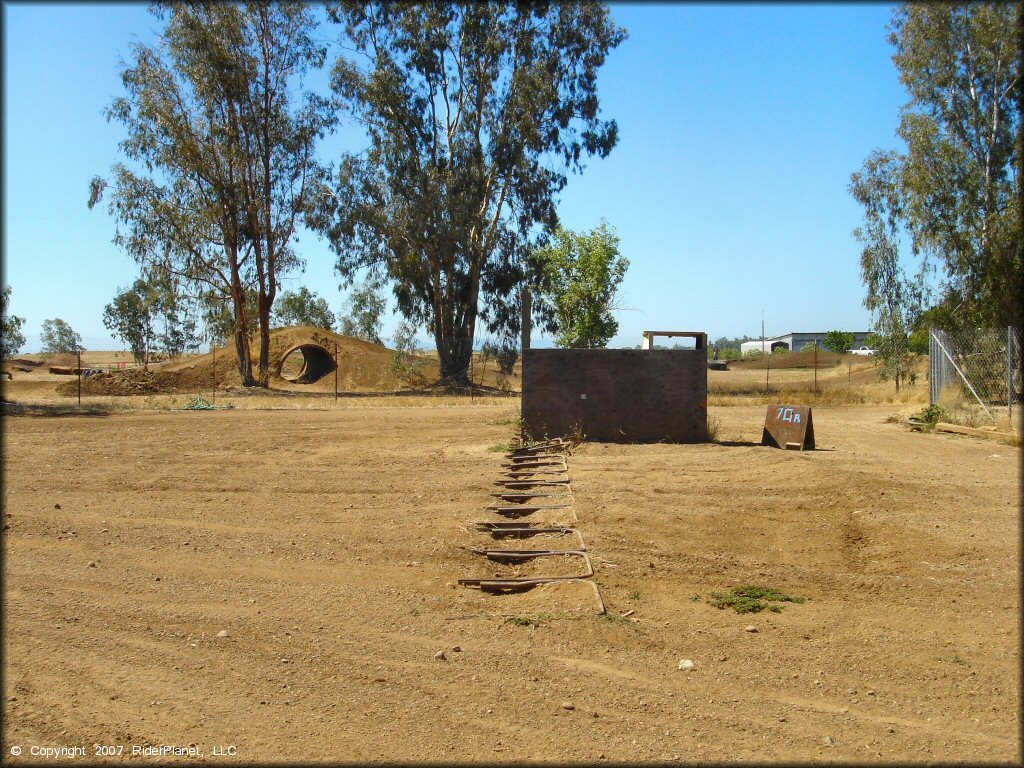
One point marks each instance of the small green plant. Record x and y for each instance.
(931, 415)
(634, 595)
(500, 447)
(613, 618)
(526, 621)
(751, 599)
(695, 598)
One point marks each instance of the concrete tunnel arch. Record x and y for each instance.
(317, 362)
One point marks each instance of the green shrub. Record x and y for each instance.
(751, 599)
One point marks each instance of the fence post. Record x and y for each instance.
(815, 367)
(79, 377)
(1009, 373)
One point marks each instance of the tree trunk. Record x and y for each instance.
(244, 357)
(264, 374)
(454, 353)
(241, 329)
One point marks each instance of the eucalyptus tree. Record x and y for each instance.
(130, 316)
(954, 197)
(303, 307)
(59, 336)
(361, 315)
(475, 114)
(11, 337)
(223, 149)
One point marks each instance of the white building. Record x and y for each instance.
(794, 341)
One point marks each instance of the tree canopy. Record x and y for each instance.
(839, 342)
(581, 273)
(954, 197)
(303, 307)
(129, 316)
(11, 337)
(476, 113)
(59, 336)
(363, 310)
(223, 147)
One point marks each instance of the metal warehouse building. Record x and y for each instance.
(794, 341)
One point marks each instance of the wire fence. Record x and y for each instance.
(487, 366)
(323, 365)
(981, 365)
(812, 375)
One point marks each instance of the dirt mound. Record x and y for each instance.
(362, 367)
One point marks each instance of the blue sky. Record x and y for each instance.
(739, 128)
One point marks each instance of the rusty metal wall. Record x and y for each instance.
(616, 395)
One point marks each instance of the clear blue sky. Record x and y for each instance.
(739, 128)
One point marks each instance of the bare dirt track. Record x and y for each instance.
(327, 544)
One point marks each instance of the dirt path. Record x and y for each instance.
(327, 544)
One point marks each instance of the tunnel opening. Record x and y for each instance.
(305, 364)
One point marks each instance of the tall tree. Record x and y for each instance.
(227, 153)
(955, 196)
(150, 315)
(59, 336)
(130, 316)
(581, 273)
(476, 113)
(11, 337)
(360, 317)
(303, 307)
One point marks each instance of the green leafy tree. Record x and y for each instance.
(954, 198)
(476, 113)
(129, 316)
(150, 316)
(729, 353)
(304, 307)
(894, 300)
(224, 148)
(59, 336)
(839, 342)
(12, 339)
(217, 314)
(918, 341)
(581, 273)
(407, 360)
(896, 359)
(363, 310)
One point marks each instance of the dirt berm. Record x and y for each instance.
(362, 367)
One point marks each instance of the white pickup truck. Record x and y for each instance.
(862, 351)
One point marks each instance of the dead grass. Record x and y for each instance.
(865, 394)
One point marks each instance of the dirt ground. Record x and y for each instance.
(326, 542)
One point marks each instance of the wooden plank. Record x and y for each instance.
(1003, 437)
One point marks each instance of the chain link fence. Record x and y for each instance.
(99, 373)
(980, 366)
(479, 366)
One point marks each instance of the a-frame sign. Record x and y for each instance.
(789, 427)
